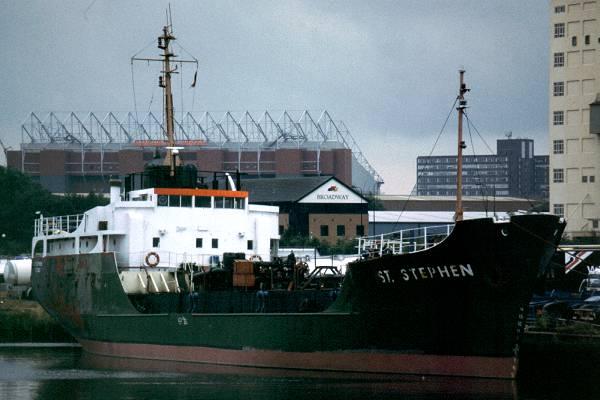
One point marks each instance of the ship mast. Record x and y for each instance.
(164, 81)
(462, 104)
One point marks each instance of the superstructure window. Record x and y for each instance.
(202, 201)
(250, 245)
(559, 88)
(155, 241)
(558, 146)
(559, 30)
(558, 175)
(198, 243)
(559, 59)
(215, 243)
(559, 209)
(558, 118)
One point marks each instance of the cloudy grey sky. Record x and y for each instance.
(388, 69)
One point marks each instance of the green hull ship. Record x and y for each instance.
(161, 274)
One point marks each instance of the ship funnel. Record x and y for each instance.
(115, 191)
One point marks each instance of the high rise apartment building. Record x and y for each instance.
(574, 142)
(513, 171)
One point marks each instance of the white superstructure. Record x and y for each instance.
(574, 85)
(164, 228)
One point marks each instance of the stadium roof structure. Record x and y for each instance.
(240, 131)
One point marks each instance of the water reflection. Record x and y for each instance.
(61, 373)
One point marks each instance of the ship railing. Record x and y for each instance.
(57, 225)
(165, 259)
(403, 241)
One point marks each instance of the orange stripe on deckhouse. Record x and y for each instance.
(201, 192)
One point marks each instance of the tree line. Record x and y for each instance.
(21, 197)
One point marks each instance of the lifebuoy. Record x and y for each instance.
(152, 259)
(255, 257)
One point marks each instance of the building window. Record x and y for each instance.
(360, 230)
(559, 209)
(558, 118)
(559, 88)
(324, 230)
(584, 179)
(587, 39)
(341, 230)
(558, 175)
(155, 242)
(198, 243)
(559, 30)
(559, 59)
(559, 9)
(281, 229)
(558, 146)
(574, 41)
(215, 243)
(592, 179)
(595, 223)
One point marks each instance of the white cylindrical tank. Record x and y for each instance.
(2, 265)
(18, 272)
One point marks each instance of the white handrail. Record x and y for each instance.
(403, 241)
(56, 225)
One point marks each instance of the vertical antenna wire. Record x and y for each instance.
(137, 121)
(181, 91)
(482, 185)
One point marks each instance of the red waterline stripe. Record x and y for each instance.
(335, 361)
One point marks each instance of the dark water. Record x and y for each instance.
(52, 373)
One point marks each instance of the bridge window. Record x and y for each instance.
(174, 201)
(219, 202)
(240, 203)
(186, 201)
(229, 202)
(202, 201)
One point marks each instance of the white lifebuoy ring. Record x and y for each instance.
(255, 257)
(152, 259)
